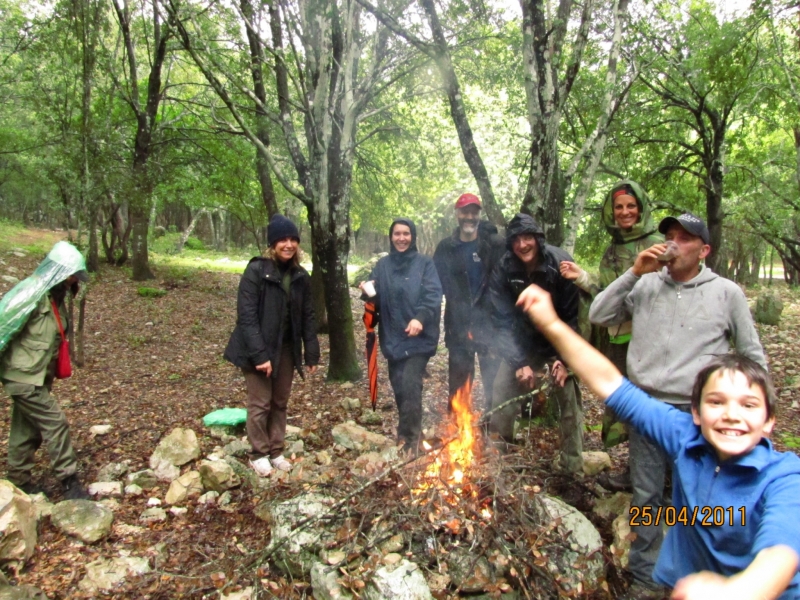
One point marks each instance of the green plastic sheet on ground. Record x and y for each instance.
(230, 417)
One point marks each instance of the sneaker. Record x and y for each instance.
(640, 591)
(261, 466)
(73, 489)
(280, 462)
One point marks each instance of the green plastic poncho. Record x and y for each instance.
(17, 305)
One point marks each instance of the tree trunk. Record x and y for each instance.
(93, 258)
(459, 115)
(80, 356)
(333, 252)
(140, 218)
(188, 231)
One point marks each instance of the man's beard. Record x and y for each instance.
(468, 226)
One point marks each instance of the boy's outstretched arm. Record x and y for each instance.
(766, 578)
(594, 369)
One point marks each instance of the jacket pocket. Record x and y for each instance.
(29, 356)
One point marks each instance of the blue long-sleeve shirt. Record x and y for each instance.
(758, 494)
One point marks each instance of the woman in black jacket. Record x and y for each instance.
(275, 322)
(409, 303)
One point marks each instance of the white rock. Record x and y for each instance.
(165, 471)
(88, 521)
(402, 581)
(105, 574)
(104, 489)
(153, 502)
(111, 504)
(218, 475)
(184, 487)
(208, 498)
(100, 429)
(595, 462)
(145, 479)
(133, 490)
(113, 471)
(178, 448)
(354, 437)
(178, 510)
(243, 594)
(325, 583)
(153, 515)
(17, 524)
(621, 547)
(611, 506)
(580, 564)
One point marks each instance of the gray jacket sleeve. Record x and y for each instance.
(614, 305)
(743, 331)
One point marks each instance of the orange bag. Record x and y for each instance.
(63, 364)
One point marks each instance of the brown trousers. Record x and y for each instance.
(267, 399)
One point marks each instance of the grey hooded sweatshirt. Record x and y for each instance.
(678, 327)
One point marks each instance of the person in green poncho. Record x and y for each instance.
(29, 339)
(626, 216)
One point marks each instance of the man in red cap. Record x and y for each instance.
(464, 262)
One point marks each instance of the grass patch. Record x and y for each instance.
(148, 292)
(791, 441)
(36, 242)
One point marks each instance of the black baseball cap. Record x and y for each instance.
(691, 223)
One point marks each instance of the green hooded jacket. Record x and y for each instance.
(625, 247)
(29, 333)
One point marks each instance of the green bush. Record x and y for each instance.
(195, 244)
(148, 292)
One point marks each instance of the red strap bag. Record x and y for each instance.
(63, 365)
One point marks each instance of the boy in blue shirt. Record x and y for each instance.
(735, 515)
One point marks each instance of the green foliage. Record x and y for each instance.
(148, 292)
(791, 441)
(135, 341)
(194, 243)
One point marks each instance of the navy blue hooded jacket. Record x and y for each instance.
(408, 288)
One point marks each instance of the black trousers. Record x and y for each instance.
(405, 376)
(461, 364)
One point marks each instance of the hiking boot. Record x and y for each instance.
(73, 489)
(31, 488)
(280, 462)
(640, 591)
(621, 482)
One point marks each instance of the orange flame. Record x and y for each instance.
(454, 461)
(460, 450)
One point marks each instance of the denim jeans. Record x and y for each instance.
(648, 469)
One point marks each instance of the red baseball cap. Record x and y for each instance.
(467, 199)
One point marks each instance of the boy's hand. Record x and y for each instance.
(538, 306)
(647, 260)
(702, 586)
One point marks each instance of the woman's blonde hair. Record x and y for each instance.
(296, 259)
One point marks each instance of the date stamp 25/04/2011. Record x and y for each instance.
(705, 516)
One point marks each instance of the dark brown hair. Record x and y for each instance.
(755, 374)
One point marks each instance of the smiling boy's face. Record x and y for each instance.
(733, 414)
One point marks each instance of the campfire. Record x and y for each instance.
(447, 482)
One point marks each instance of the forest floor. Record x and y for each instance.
(153, 364)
